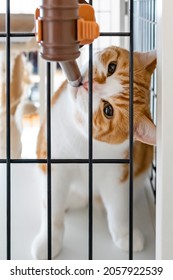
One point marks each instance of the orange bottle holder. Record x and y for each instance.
(87, 28)
(38, 26)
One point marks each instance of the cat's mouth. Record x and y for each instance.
(81, 89)
(85, 85)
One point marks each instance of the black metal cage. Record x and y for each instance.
(149, 31)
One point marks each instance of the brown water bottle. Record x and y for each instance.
(61, 27)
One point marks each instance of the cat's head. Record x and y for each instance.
(111, 89)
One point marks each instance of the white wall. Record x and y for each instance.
(164, 208)
(19, 6)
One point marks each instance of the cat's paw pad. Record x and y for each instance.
(138, 241)
(39, 248)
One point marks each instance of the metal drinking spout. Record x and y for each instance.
(72, 72)
(62, 26)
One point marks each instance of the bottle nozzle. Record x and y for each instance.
(61, 27)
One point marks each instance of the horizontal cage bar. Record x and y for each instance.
(66, 161)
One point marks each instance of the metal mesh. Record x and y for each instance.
(145, 40)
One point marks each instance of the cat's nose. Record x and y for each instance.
(86, 85)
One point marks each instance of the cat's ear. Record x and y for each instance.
(145, 131)
(148, 59)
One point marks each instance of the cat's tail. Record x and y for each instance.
(20, 75)
(26, 109)
(19, 81)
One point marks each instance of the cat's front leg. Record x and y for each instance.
(59, 191)
(115, 199)
(39, 246)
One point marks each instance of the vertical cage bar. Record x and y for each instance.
(154, 24)
(8, 132)
(49, 212)
(90, 143)
(90, 169)
(131, 136)
(150, 24)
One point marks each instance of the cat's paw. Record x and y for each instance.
(138, 241)
(39, 247)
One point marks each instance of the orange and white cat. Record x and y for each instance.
(110, 141)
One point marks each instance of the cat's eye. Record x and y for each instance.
(108, 110)
(111, 68)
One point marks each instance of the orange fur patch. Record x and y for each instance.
(99, 78)
(114, 131)
(58, 92)
(42, 146)
(142, 158)
(109, 56)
